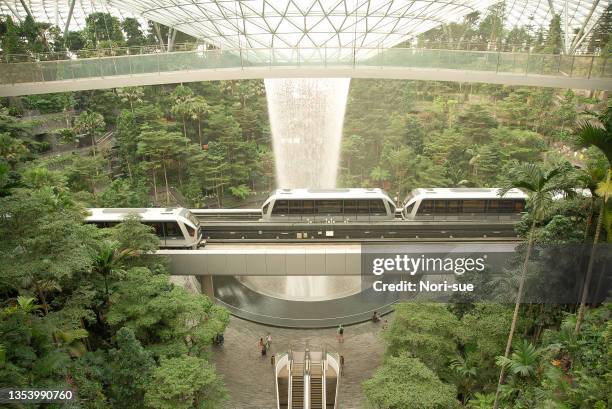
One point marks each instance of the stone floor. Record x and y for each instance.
(250, 378)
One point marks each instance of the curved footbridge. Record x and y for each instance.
(23, 75)
(226, 272)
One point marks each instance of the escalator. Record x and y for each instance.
(297, 385)
(316, 386)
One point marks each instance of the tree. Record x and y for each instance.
(44, 242)
(132, 368)
(132, 95)
(540, 185)
(90, 123)
(379, 175)
(405, 382)
(197, 109)
(133, 32)
(183, 383)
(102, 30)
(597, 134)
(161, 147)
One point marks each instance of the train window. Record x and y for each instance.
(408, 210)
(426, 206)
(157, 226)
(308, 207)
(519, 206)
(377, 207)
(493, 206)
(265, 208)
(329, 206)
(190, 230)
(173, 229)
(280, 207)
(453, 206)
(295, 207)
(473, 206)
(350, 206)
(439, 206)
(363, 207)
(506, 206)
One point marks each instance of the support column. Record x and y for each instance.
(206, 283)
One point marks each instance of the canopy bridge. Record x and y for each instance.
(64, 72)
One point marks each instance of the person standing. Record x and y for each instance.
(340, 333)
(262, 347)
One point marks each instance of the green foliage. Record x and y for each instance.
(421, 328)
(157, 312)
(185, 382)
(132, 367)
(405, 382)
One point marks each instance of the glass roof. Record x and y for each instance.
(56, 11)
(316, 23)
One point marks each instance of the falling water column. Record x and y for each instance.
(306, 116)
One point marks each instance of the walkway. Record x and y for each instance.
(250, 380)
(59, 73)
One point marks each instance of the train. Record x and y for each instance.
(469, 204)
(328, 205)
(175, 227)
(181, 228)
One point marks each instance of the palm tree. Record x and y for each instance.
(109, 261)
(198, 108)
(524, 360)
(90, 123)
(131, 95)
(599, 134)
(541, 186)
(380, 175)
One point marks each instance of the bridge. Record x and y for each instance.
(223, 268)
(47, 73)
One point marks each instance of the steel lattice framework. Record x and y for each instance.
(315, 23)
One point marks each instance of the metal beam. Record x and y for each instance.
(70, 10)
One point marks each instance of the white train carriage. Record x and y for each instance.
(175, 227)
(456, 204)
(328, 205)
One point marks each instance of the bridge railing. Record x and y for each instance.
(574, 66)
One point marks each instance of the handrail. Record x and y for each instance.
(202, 46)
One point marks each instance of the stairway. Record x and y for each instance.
(316, 387)
(297, 386)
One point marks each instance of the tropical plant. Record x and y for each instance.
(596, 133)
(541, 186)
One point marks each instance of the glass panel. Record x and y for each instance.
(190, 230)
(173, 229)
(473, 206)
(493, 206)
(453, 206)
(409, 208)
(265, 208)
(506, 206)
(308, 207)
(363, 207)
(280, 207)
(377, 207)
(157, 227)
(329, 206)
(295, 207)
(519, 206)
(350, 206)
(439, 206)
(426, 207)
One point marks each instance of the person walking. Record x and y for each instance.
(340, 334)
(268, 341)
(262, 347)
